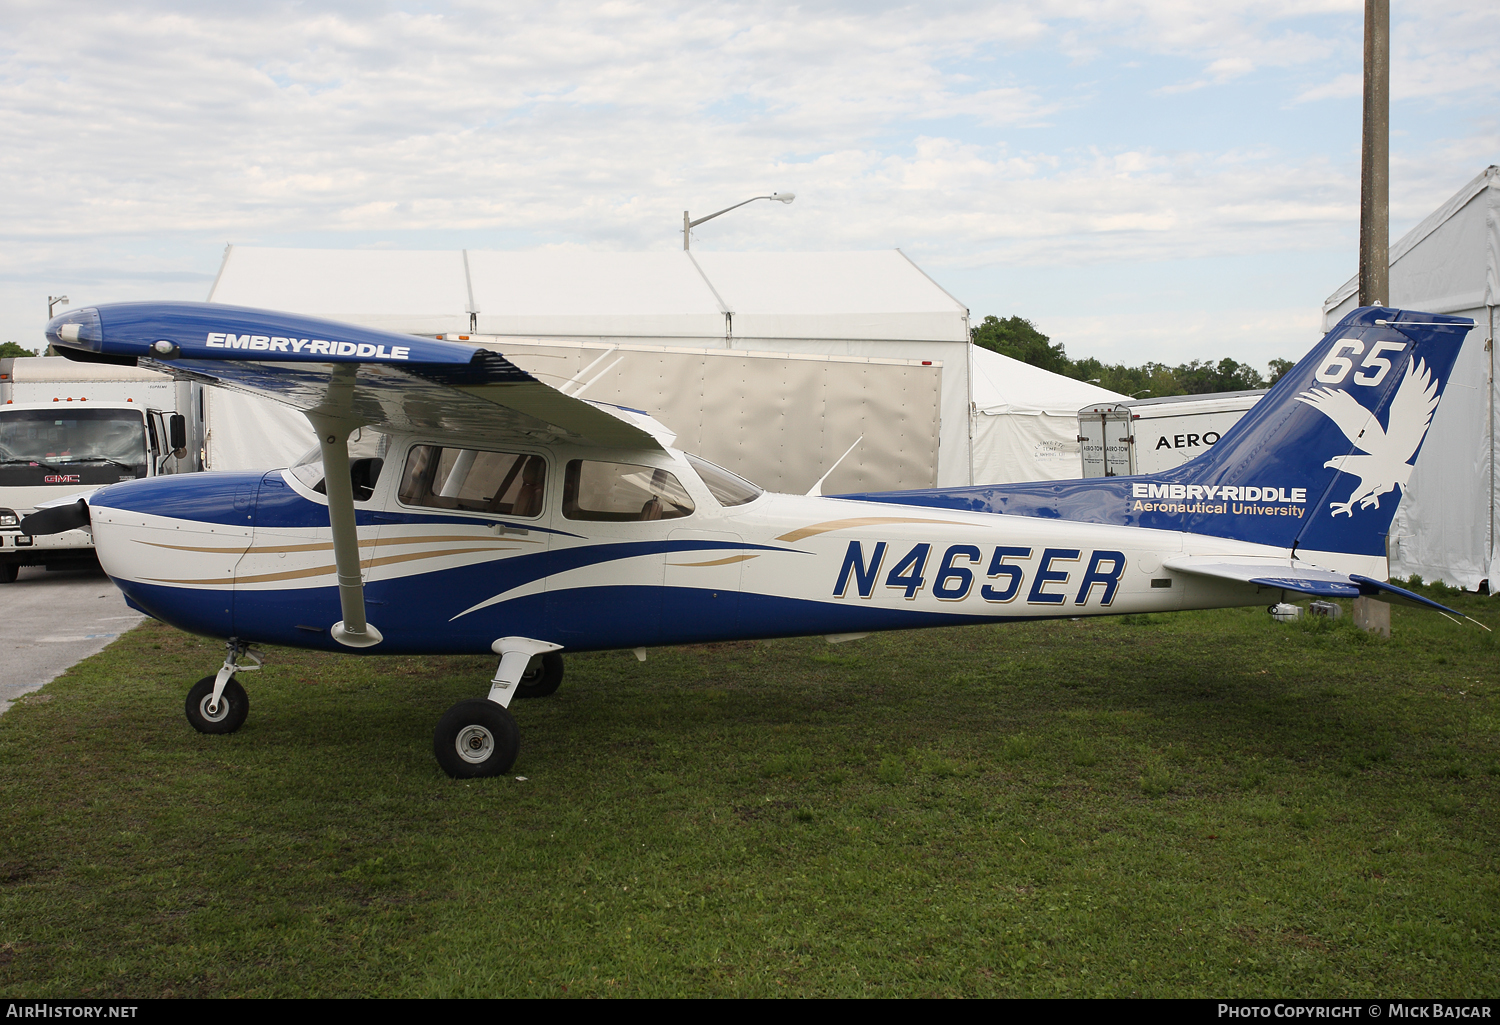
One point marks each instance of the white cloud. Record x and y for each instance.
(125, 128)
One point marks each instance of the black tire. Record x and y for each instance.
(542, 677)
(234, 706)
(476, 738)
(8, 571)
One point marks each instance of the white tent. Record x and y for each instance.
(1026, 420)
(1450, 263)
(865, 304)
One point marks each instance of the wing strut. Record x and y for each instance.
(334, 421)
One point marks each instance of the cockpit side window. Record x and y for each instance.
(622, 492)
(507, 483)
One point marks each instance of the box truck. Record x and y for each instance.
(1152, 435)
(67, 428)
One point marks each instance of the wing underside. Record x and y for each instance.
(415, 398)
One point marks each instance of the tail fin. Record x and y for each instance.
(1318, 464)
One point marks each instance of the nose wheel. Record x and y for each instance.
(218, 704)
(223, 716)
(476, 738)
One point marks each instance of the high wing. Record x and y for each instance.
(393, 381)
(344, 378)
(1411, 412)
(1299, 576)
(1346, 412)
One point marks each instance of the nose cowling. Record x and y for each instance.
(172, 543)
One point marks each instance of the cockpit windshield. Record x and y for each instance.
(54, 437)
(363, 444)
(728, 488)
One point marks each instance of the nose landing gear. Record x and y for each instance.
(218, 704)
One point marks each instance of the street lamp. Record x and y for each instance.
(53, 301)
(688, 224)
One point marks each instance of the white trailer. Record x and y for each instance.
(782, 420)
(67, 428)
(1152, 435)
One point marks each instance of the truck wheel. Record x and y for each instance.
(8, 571)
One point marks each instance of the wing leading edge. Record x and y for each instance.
(401, 382)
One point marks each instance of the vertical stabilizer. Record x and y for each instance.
(1318, 464)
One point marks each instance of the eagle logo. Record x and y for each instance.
(1387, 461)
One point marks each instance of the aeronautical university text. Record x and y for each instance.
(313, 346)
(1218, 498)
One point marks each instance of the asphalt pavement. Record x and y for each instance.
(51, 621)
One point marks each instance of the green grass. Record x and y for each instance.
(1205, 804)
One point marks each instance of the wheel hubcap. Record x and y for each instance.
(209, 712)
(475, 744)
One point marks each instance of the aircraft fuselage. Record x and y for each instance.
(250, 555)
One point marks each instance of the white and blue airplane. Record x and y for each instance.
(484, 511)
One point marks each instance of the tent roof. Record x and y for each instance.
(1005, 385)
(1489, 178)
(572, 293)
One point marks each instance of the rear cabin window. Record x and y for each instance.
(620, 492)
(475, 481)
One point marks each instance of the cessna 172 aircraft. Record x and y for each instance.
(486, 511)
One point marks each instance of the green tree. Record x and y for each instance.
(10, 349)
(1226, 375)
(1018, 338)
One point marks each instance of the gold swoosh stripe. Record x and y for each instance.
(319, 571)
(861, 521)
(327, 546)
(718, 562)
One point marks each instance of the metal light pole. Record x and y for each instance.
(1374, 181)
(688, 224)
(52, 302)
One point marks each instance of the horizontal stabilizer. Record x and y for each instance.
(1303, 578)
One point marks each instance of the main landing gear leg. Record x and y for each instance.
(478, 737)
(218, 704)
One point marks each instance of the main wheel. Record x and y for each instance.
(476, 738)
(8, 571)
(234, 705)
(542, 677)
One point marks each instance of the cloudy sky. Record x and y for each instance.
(1145, 179)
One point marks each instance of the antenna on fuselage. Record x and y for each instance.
(817, 489)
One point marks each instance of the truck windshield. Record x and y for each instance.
(55, 437)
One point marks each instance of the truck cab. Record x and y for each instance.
(67, 429)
